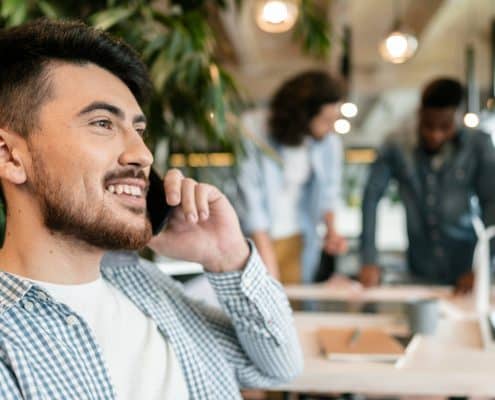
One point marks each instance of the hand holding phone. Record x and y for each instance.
(205, 227)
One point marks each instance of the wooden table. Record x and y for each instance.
(451, 363)
(345, 292)
(452, 306)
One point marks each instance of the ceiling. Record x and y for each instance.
(386, 93)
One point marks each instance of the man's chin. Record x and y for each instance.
(110, 233)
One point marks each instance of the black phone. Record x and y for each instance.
(156, 203)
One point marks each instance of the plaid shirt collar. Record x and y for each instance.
(12, 290)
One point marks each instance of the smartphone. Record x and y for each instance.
(156, 203)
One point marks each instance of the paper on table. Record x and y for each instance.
(345, 344)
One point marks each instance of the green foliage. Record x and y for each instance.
(312, 30)
(193, 96)
(195, 102)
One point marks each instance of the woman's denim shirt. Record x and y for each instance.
(261, 176)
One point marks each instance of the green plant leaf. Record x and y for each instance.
(108, 18)
(160, 70)
(49, 10)
(8, 7)
(19, 15)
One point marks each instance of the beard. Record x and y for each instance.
(92, 223)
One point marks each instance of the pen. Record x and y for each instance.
(354, 338)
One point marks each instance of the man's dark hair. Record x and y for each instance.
(27, 51)
(442, 93)
(297, 101)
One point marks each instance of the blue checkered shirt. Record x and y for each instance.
(47, 351)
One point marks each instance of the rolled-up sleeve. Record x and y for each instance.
(333, 160)
(379, 177)
(252, 203)
(484, 184)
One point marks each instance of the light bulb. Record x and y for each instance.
(398, 47)
(342, 126)
(349, 110)
(471, 120)
(275, 12)
(276, 16)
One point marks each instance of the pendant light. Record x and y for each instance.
(400, 44)
(276, 16)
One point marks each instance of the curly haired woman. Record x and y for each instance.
(292, 186)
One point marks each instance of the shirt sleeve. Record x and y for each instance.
(378, 179)
(252, 204)
(484, 184)
(333, 164)
(256, 325)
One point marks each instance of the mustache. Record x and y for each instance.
(128, 172)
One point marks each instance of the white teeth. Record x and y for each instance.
(127, 189)
(136, 191)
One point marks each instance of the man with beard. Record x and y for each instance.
(445, 176)
(73, 170)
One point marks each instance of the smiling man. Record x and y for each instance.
(76, 323)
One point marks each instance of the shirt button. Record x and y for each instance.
(28, 306)
(71, 320)
(42, 296)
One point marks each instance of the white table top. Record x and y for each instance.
(450, 305)
(347, 293)
(450, 363)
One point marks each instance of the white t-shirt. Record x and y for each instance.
(285, 220)
(296, 171)
(141, 363)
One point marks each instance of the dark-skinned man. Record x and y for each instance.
(445, 175)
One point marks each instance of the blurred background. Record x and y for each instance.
(210, 60)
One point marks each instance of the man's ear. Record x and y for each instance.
(11, 164)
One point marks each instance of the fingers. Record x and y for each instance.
(369, 276)
(188, 200)
(202, 191)
(172, 183)
(193, 198)
(336, 245)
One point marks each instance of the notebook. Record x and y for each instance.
(354, 344)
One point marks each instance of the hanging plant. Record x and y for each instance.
(195, 102)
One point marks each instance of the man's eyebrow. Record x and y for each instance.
(139, 118)
(100, 105)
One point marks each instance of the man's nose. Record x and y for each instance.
(136, 152)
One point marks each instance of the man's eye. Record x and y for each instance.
(142, 132)
(103, 123)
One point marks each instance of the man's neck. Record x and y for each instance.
(31, 251)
